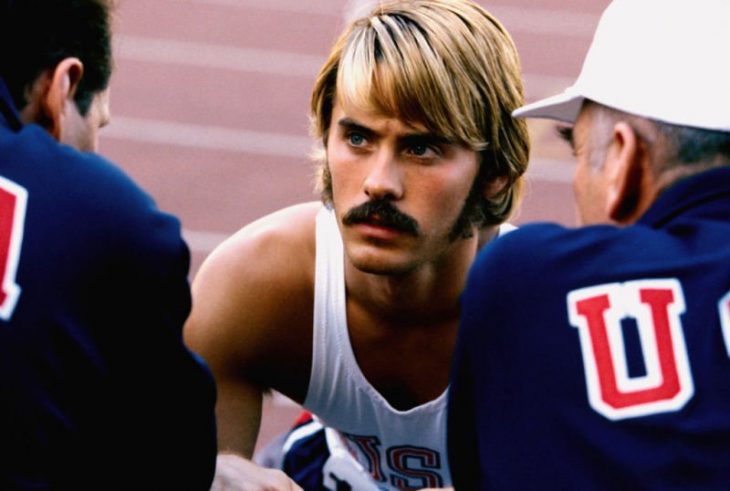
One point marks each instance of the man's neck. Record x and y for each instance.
(428, 293)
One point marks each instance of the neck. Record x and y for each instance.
(428, 293)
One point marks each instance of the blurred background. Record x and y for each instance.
(210, 101)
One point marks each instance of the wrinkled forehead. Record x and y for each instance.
(349, 116)
(376, 102)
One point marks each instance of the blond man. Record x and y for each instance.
(350, 306)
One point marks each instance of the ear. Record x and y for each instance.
(60, 90)
(494, 186)
(627, 167)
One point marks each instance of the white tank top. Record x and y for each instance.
(400, 449)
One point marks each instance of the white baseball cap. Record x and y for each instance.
(667, 60)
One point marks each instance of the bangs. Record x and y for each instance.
(390, 67)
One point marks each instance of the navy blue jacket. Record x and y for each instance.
(599, 357)
(98, 390)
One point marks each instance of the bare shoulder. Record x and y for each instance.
(252, 297)
(279, 244)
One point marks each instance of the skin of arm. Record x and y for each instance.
(252, 323)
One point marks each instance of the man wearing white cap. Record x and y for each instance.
(599, 357)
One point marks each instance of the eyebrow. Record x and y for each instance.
(566, 133)
(425, 138)
(352, 125)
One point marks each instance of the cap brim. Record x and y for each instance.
(562, 107)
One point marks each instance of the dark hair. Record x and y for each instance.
(35, 35)
(695, 145)
(687, 147)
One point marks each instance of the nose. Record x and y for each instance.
(384, 179)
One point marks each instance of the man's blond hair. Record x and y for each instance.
(446, 64)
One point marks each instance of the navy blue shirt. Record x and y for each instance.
(98, 389)
(598, 357)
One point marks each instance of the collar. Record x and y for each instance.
(8, 114)
(687, 193)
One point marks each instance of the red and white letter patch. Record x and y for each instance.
(656, 306)
(13, 199)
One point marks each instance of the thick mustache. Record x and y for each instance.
(382, 213)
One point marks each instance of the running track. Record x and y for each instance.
(210, 100)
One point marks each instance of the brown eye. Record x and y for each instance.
(419, 149)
